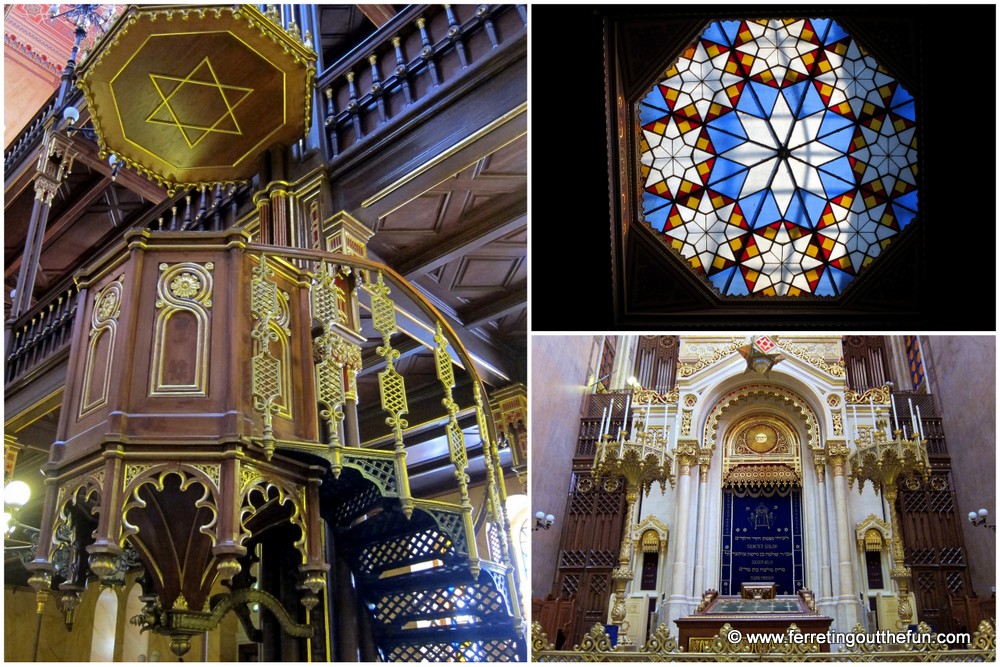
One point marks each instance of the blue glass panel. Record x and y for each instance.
(901, 96)
(840, 278)
(751, 206)
(732, 186)
(907, 111)
(793, 97)
(825, 285)
(903, 215)
(837, 177)
(836, 33)
(654, 98)
(797, 212)
(768, 213)
(840, 140)
(651, 202)
(738, 286)
(814, 206)
(715, 33)
(813, 102)
(724, 169)
(909, 200)
(649, 114)
(820, 26)
(763, 97)
(729, 124)
(731, 29)
(833, 122)
(721, 279)
(658, 219)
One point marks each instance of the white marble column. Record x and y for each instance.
(678, 606)
(847, 597)
(825, 582)
(704, 461)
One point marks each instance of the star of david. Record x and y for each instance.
(195, 113)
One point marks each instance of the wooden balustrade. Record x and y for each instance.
(41, 333)
(407, 62)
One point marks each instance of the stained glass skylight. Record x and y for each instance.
(777, 157)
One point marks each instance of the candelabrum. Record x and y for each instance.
(637, 458)
(886, 459)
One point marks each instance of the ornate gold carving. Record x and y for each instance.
(838, 423)
(708, 354)
(833, 400)
(873, 542)
(182, 288)
(815, 354)
(985, 639)
(706, 600)
(661, 641)
(269, 309)
(332, 353)
(758, 475)
(595, 641)
(103, 331)
(539, 641)
(285, 494)
(761, 449)
(766, 391)
(686, 422)
(643, 396)
(138, 475)
(878, 395)
(652, 529)
(391, 384)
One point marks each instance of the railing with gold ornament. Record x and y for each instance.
(794, 647)
(378, 284)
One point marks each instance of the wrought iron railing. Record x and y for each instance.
(375, 294)
(662, 647)
(408, 61)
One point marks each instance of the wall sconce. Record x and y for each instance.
(71, 115)
(543, 521)
(979, 519)
(15, 496)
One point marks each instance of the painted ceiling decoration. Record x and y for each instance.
(777, 157)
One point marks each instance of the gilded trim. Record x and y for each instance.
(182, 288)
(104, 322)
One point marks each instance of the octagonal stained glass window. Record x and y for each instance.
(777, 157)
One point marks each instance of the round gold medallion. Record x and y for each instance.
(761, 438)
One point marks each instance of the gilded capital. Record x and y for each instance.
(687, 455)
(819, 460)
(837, 453)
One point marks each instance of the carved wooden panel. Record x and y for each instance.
(591, 537)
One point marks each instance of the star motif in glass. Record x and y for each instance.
(777, 157)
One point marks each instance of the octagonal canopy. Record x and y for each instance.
(777, 157)
(191, 96)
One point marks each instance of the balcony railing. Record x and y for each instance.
(42, 333)
(407, 62)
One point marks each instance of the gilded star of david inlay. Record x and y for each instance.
(197, 104)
